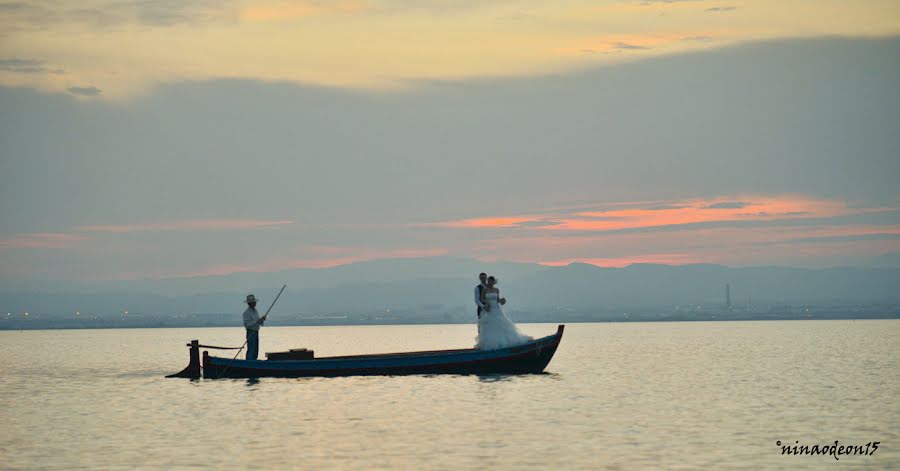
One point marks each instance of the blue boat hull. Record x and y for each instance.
(531, 357)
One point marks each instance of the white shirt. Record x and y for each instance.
(478, 296)
(251, 319)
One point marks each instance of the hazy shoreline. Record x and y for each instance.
(895, 315)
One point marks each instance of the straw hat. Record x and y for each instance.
(250, 299)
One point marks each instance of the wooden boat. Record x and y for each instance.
(531, 357)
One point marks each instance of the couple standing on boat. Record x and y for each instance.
(495, 330)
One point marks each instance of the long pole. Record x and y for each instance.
(273, 302)
(247, 340)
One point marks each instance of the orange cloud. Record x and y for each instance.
(636, 215)
(701, 211)
(487, 222)
(745, 230)
(710, 230)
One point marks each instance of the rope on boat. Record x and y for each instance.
(218, 348)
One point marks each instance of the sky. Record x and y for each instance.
(164, 139)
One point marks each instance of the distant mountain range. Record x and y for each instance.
(442, 283)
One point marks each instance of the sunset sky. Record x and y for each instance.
(154, 139)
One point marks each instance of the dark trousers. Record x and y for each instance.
(479, 316)
(252, 344)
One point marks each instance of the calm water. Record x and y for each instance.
(617, 396)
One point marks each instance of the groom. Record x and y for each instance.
(478, 289)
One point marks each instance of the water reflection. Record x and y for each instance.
(496, 377)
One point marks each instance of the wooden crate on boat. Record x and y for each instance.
(292, 354)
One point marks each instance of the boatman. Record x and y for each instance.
(252, 322)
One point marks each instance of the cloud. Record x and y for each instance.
(13, 7)
(174, 12)
(621, 43)
(41, 240)
(493, 222)
(202, 39)
(668, 215)
(28, 66)
(544, 223)
(195, 225)
(59, 240)
(630, 47)
(300, 9)
(661, 135)
(734, 205)
(653, 2)
(102, 14)
(665, 207)
(90, 91)
(721, 9)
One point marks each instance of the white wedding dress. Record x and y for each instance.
(495, 330)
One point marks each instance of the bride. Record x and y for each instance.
(495, 330)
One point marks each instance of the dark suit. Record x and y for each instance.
(480, 289)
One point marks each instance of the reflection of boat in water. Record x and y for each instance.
(531, 357)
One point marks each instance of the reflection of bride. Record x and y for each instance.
(495, 330)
